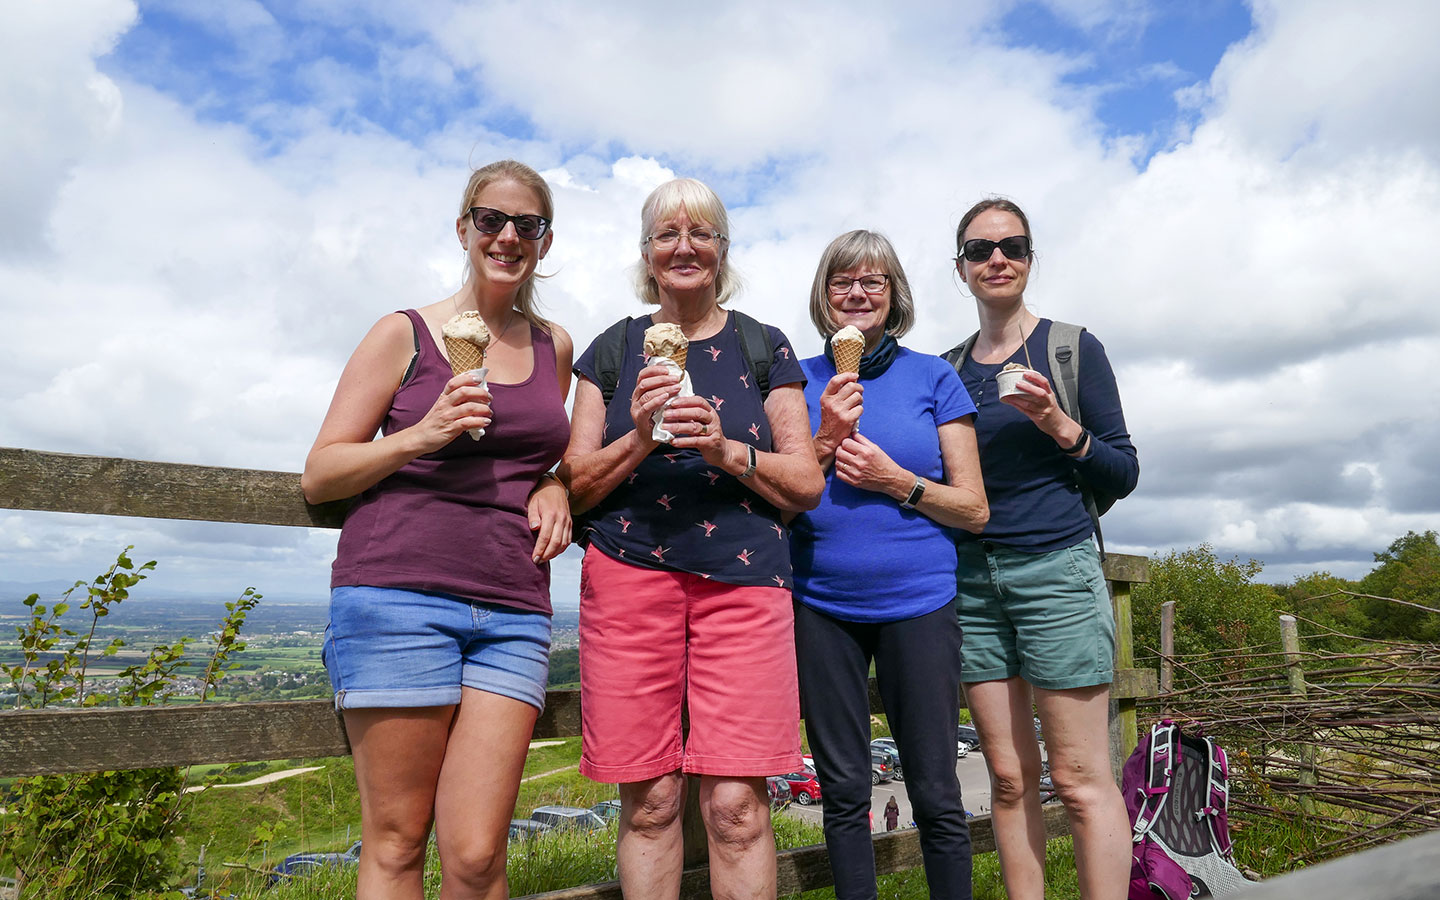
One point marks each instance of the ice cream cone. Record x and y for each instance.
(848, 345)
(680, 355)
(464, 355)
(668, 340)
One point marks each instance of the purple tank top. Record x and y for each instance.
(454, 521)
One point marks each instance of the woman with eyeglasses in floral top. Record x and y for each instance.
(439, 634)
(685, 586)
(1039, 631)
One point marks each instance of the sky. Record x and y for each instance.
(207, 205)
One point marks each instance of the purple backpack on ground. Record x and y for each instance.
(1176, 790)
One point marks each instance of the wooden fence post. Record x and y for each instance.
(1124, 733)
(1167, 652)
(1290, 641)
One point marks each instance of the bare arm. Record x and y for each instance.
(957, 503)
(347, 458)
(548, 508)
(593, 471)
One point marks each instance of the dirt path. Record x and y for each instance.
(255, 782)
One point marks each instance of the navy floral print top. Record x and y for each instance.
(676, 511)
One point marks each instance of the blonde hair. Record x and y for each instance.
(703, 205)
(521, 174)
(855, 248)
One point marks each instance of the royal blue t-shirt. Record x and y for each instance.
(676, 511)
(858, 556)
(1035, 504)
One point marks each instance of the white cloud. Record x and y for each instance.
(1250, 282)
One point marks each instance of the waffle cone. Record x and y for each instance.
(679, 357)
(464, 355)
(847, 355)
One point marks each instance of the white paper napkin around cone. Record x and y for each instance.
(658, 431)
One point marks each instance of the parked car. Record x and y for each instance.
(880, 767)
(568, 817)
(804, 786)
(779, 790)
(892, 750)
(525, 829)
(607, 810)
(297, 864)
(968, 737)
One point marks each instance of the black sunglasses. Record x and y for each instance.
(493, 221)
(979, 250)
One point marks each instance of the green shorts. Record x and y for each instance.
(1043, 616)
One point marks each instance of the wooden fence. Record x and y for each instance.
(36, 742)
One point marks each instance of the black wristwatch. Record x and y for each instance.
(1079, 442)
(750, 466)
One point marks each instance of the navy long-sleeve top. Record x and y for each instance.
(1035, 504)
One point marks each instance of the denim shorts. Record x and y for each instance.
(1043, 616)
(386, 647)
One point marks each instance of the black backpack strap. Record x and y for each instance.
(610, 351)
(757, 348)
(1063, 348)
(955, 356)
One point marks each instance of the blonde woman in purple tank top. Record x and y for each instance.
(439, 632)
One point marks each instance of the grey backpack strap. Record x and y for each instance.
(955, 356)
(1064, 352)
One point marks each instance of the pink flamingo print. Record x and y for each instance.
(672, 456)
(714, 353)
(625, 525)
(745, 379)
(664, 500)
(713, 476)
(779, 582)
(743, 556)
(708, 526)
(716, 402)
(631, 479)
(779, 531)
(754, 430)
(745, 505)
(785, 352)
(659, 553)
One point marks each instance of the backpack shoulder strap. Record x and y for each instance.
(1159, 772)
(1064, 351)
(1217, 798)
(955, 356)
(610, 352)
(757, 348)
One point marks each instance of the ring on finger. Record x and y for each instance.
(705, 428)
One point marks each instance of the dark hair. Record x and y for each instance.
(989, 203)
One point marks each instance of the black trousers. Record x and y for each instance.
(917, 666)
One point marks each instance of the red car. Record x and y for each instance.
(804, 787)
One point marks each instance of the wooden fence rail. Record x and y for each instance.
(35, 742)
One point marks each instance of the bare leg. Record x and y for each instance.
(650, 850)
(398, 755)
(742, 843)
(1077, 739)
(476, 793)
(1001, 713)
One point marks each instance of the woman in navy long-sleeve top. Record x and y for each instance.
(1032, 601)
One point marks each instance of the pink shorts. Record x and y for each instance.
(650, 637)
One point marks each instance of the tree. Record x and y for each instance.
(1218, 605)
(1409, 570)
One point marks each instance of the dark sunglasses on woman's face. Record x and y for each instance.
(492, 221)
(979, 250)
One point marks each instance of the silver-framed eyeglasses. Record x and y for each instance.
(701, 238)
(870, 284)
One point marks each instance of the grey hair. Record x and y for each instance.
(703, 205)
(854, 248)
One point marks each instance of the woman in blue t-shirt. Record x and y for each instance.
(1038, 625)
(875, 565)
